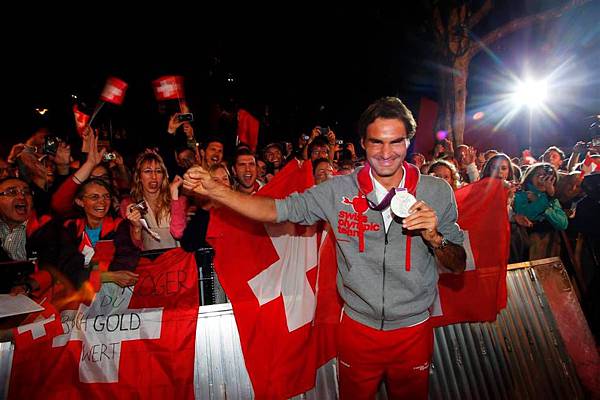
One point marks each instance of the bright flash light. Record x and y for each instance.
(41, 111)
(530, 93)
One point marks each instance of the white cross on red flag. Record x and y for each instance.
(114, 91)
(135, 342)
(168, 87)
(281, 280)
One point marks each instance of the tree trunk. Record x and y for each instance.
(459, 80)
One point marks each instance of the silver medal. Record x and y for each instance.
(401, 202)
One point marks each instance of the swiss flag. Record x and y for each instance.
(81, 119)
(168, 88)
(281, 280)
(114, 91)
(589, 165)
(479, 293)
(127, 343)
(247, 129)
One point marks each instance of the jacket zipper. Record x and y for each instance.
(383, 285)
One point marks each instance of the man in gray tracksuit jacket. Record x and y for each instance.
(379, 289)
(387, 267)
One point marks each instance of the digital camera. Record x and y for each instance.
(50, 145)
(141, 206)
(548, 170)
(109, 157)
(186, 117)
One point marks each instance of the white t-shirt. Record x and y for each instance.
(381, 192)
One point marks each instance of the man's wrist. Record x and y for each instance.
(438, 242)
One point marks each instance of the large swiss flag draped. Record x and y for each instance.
(479, 293)
(126, 344)
(280, 279)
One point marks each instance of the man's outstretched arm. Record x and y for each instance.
(258, 208)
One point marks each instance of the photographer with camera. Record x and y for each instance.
(96, 166)
(44, 163)
(535, 201)
(175, 141)
(321, 143)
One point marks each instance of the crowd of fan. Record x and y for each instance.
(61, 210)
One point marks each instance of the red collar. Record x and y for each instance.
(365, 183)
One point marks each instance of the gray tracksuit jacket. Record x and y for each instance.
(382, 287)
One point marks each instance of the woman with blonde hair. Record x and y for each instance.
(445, 170)
(155, 209)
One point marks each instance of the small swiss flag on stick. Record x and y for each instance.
(114, 91)
(168, 88)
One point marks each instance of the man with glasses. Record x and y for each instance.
(15, 210)
(387, 265)
(16, 213)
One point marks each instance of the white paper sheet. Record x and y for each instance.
(15, 305)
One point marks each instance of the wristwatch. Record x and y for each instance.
(442, 245)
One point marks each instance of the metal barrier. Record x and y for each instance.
(209, 288)
(521, 355)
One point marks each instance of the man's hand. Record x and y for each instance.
(174, 123)
(188, 129)
(549, 181)
(523, 221)
(350, 148)
(331, 137)
(94, 156)
(198, 180)
(121, 278)
(423, 218)
(14, 152)
(63, 154)
(452, 256)
(470, 156)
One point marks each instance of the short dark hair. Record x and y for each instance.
(553, 148)
(319, 161)
(211, 139)
(243, 151)
(387, 108)
(319, 141)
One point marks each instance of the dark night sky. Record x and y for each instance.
(299, 61)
